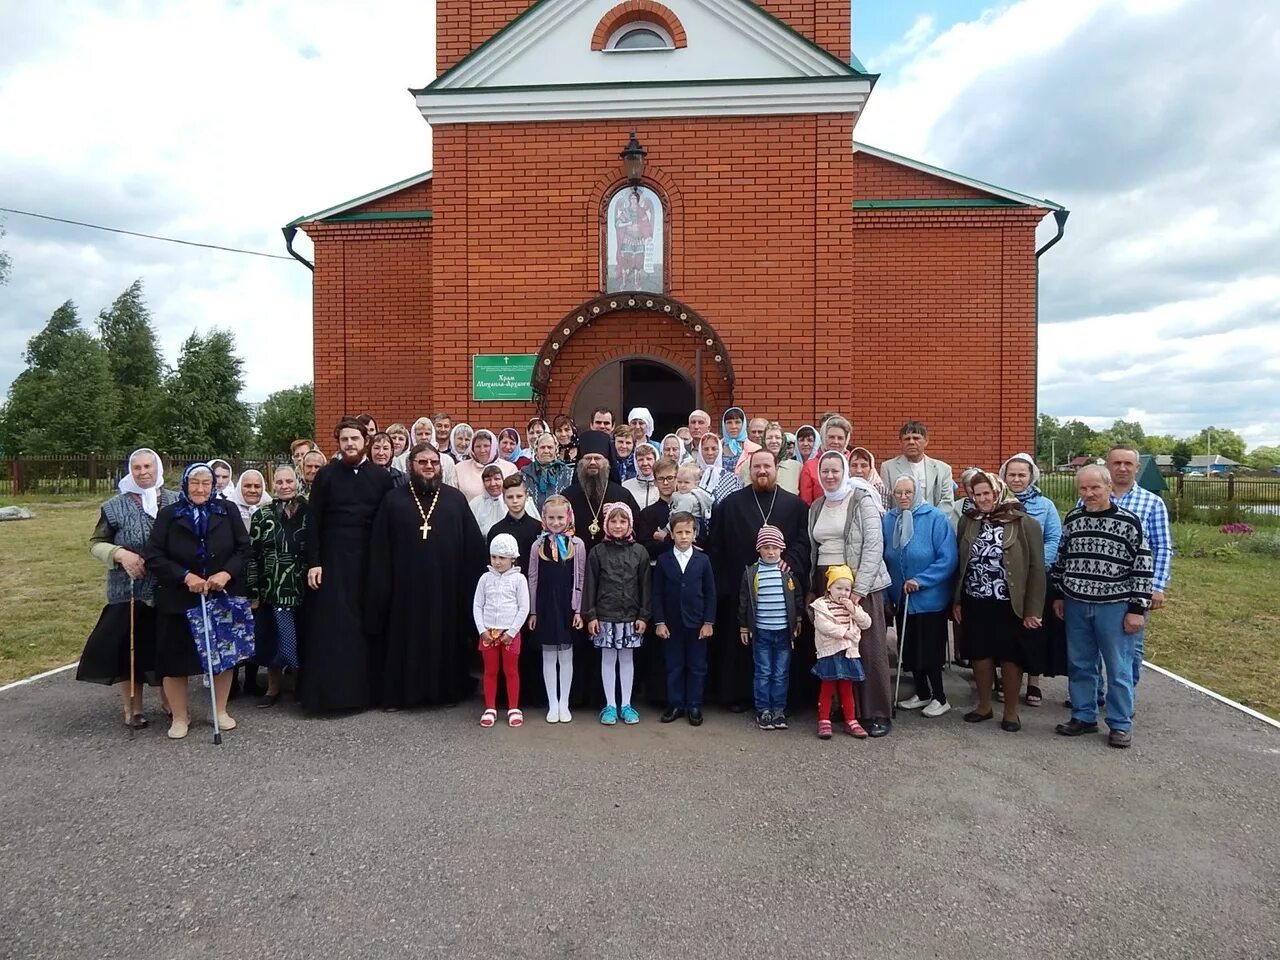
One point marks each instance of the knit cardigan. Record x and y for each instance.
(834, 631)
(929, 559)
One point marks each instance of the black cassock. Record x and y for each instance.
(335, 657)
(420, 594)
(584, 513)
(731, 545)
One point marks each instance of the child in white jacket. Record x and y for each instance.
(838, 623)
(500, 608)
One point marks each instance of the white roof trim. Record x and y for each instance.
(955, 177)
(838, 95)
(367, 198)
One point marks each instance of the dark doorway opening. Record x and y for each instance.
(637, 382)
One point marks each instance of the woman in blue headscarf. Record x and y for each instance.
(733, 431)
(198, 547)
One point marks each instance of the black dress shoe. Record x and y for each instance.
(695, 717)
(673, 714)
(877, 727)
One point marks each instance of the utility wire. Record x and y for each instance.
(145, 236)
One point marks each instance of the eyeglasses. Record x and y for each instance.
(426, 463)
(671, 478)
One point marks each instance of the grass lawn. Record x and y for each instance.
(1220, 626)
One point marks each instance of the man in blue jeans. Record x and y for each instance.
(1104, 575)
(769, 614)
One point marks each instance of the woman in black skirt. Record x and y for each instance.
(128, 620)
(999, 594)
(198, 546)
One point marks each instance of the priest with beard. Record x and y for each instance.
(731, 544)
(335, 660)
(592, 488)
(426, 555)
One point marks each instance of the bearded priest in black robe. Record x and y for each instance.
(592, 489)
(335, 657)
(425, 557)
(731, 544)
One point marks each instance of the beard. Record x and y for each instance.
(594, 485)
(424, 487)
(763, 484)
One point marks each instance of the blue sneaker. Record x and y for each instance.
(609, 716)
(629, 714)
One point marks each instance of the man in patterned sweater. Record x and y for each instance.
(1104, 575)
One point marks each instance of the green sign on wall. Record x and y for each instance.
(502, 376)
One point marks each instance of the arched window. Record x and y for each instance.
(635, 241)
(640, 35)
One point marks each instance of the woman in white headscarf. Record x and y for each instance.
(119, 542)
(641, 421)
(716, 479)
(249, 495)
(482, 451)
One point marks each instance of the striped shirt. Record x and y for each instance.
(1104, 558)
(771, 602)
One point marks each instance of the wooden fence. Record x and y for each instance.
(97, 474)
(1263, 492)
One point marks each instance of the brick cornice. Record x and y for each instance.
(633, 11)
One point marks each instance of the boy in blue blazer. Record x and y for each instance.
(684, 611)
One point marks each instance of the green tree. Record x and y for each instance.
(65, 401)
(1127, 432)
(1263, 458)
(1078, 438)
(6, 264)
(1181, 454)
(130, 341)
(1048, 440)
(1159, 443)
(202, 410)
(285, 416)
(1219, 442)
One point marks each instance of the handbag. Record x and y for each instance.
(231, 638)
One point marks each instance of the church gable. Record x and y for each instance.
(569, 59)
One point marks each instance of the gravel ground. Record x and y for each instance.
(420, 835)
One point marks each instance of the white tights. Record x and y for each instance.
(552, 657)
(625, 663)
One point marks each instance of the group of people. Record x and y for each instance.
(754, 567)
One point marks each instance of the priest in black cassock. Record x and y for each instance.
(425, 556)
(731, 545)
(346, 493)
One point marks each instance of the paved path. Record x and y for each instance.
(421, 835)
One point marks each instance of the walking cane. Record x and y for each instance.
(208, 658)
(132, 594)
(902, 639)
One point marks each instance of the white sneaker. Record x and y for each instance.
(565, 715)
(553, 715)
(915, 703)
(936, 709)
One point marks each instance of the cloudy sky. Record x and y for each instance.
(213, 122)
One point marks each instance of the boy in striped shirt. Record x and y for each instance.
(769, 611)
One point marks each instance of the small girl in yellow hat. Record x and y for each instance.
(838, 623)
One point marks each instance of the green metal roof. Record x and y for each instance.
(954, 177)
(332, 213)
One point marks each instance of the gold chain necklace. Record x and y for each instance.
(594, 527)
(425, 514)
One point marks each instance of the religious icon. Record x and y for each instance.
(635, 253)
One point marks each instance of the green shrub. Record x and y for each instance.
(1266, 544)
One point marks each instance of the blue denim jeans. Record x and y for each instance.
(771, 650)
(1139, 650)
(1096, 631)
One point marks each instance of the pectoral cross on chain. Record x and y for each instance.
(425, 528)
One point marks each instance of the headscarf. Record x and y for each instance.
(711, 472)
(849, 483)
(904, 527)
(734, 442)
(683, 456)
(1033, 490)
(1007, 508)
(657, 455)
(876, 482)
(150, 496)
(565, 448)
(431, 431)
(609, 510)
(221, 492)
(461, 454)
(561, 543)
(198, 513)
(247, 509)
(515, 454)
(642, 413)
(546, 476)
(816, 451)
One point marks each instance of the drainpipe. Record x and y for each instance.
(290, 232)
(1060, 217)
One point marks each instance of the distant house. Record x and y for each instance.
(1075, 463)
(1210, 465)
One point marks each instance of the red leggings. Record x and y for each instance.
(824, 698)
(510, 657)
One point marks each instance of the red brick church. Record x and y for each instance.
(639, 204)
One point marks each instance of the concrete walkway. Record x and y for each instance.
(422, 835)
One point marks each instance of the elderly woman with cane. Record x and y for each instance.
(198, 547)
(122, 647)
(920, 553)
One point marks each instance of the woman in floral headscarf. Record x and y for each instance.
(483, 452)
(999, 593)
(198, 546)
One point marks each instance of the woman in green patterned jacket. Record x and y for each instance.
(277, 578)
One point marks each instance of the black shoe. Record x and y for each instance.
(877, 727)
(1074, 728)
(1010, 726)
(695, 716)
(673, 714)
(268, 700)
(973, 716)
(737, 708)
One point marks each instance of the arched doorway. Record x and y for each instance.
(637, 381)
